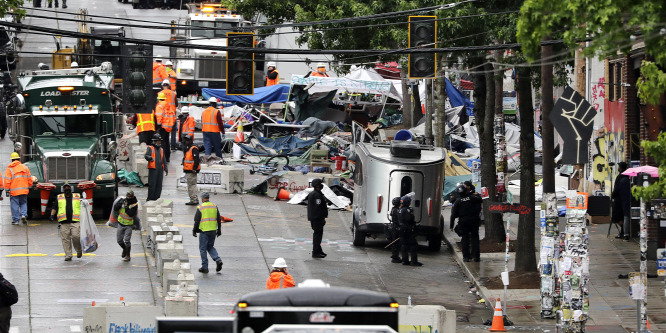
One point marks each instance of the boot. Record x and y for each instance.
(64, 4)
(127, 255)
(122, 245)
(56, 6)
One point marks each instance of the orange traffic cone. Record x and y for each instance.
(93, 303)
(283, 194)
(240, 137)
(44, 194)
(498, 318)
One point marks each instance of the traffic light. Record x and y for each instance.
(138, 95)
(240, 64)
(422, 33)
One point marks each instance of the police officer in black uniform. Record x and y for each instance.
(393, 231)
(407, 232)
(467, 209)
(317, 214)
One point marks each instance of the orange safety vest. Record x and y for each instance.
(18, 180)
(168, 120)
(171, 74)
(188, 127)
(170, 98)
(188, 161)
(273, 82)
(159, 112)
(209, 120)
(159, 73)
(316, 73)
(279, 280)
(144, 122)
(151, 164)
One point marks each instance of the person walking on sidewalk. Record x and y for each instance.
(157, 168)
(467, 209)
(279, 277)
(393, 231)
(622, 202)
(317, 214)
(69, 213)
(407, 232)
(208, 223)
(18, 182)
(127, 210)
(191, 168)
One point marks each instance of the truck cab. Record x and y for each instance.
(204, 68)
(64, 128)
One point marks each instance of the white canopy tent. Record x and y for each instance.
(359, 80)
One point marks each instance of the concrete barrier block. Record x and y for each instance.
(181, 306)
(431, 318)
(172, 267)
(120, 317)
(192, 289)
(177, 279)
(168, 257)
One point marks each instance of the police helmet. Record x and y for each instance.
(461, 189)
(406, 201)
(395, 201)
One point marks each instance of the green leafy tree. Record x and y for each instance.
(657, 150)
(11, 6)
(611, 25)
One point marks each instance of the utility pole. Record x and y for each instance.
(407, 110)
(428, 110)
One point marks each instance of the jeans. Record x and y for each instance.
(213, 142)
(206, 246)
(19, 207)
(124, 234)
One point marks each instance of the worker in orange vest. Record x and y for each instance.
(211, 126)
(170, 94)
(145, 126)
(18, 182)
(279, 277)
(191, 168)
(321, 70)
(272, 75)
(186, 129)
(171, 74)
(164, 119)
(159, 71)
(157, 169)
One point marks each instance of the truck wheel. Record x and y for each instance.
(359, 237)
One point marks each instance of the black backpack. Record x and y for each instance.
(8, 293)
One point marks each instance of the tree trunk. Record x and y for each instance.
(440, 112)
(416, 115)
(547, 131)
(407, 110)
(525, 252)
(428, 112)
(484, 90)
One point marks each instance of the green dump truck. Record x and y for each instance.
(64, 124)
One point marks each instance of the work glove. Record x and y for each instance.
(219, 232)
(52, 218)
(166, 172)
(194, 233)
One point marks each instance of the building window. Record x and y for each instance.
(611, 82)
(618, 80)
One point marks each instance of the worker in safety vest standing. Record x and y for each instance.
(127, 211)
(69, 216)
(18, 182)
(171, 74)
(186, 129)
(157, 169)
(272, 75)
(159, 71)
(191, 168)
(321, 70)
(211, 126)
(165, 117)
(145, 126)
(208, 223)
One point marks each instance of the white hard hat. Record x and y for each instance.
(185, 109)
(212, 100)
(168, 63)
(166, 81)
(321, 64)
(271, 64)
(158, 58)
(280, 263)
(74, 64)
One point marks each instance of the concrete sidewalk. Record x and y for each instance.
(611, 307)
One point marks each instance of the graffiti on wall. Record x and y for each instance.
(599, 94)
(609, 146)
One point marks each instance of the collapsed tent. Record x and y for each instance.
(361, 80)
(287, 145)
(456, 98)
(264, 95)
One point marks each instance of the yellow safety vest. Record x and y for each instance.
(208, 216)
(123, 218)
(62, 207)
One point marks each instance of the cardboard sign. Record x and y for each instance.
(509, 208)
(577, 201)
(484, 193)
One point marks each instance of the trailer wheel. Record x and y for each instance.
(359, 237)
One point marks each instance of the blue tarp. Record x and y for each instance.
(273, 94)
(457, 98)
(286, 145)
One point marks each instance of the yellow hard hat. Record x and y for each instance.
(161, 96)
(15, 156)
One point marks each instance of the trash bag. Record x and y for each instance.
(113, 217)
(89, 232)
(131, 178)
